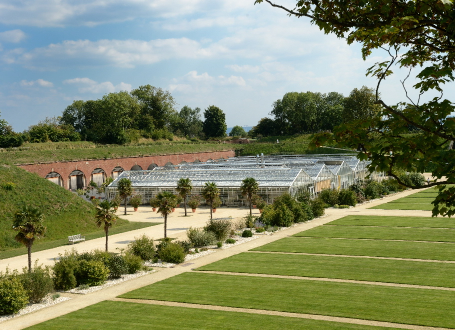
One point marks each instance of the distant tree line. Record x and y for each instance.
(309, 112)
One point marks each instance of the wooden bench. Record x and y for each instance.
(76, 238)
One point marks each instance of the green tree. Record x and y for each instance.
(28, 222)
(210, 192)
(184, 188)
(8, 138)
(125, 189)
(265, 127)
(190, 123)
(249, 188)
(166, 202)
(105, 216)
(74, 115)
(417, 36)
(238, 131)
(215, 122)
(360, 105)
(157, 106)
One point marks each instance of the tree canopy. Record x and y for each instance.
(418, 37)
(238, 131)
(215, 122)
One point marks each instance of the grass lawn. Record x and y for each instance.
(404, 206)
(106, 316)
(64, 241)
(384, 233)
(375, 270)
(373, 248)
(392, 304)
(387, 221)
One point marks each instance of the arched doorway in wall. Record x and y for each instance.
(55, 178)
(169, 166)
(116, 172)
(136, 168)
(77, 180)
(197, 161)
(152, 166)
(98, 176)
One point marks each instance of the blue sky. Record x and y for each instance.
(233, 54)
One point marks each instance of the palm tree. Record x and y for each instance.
(210, 193)
(124, 189)
(29, 224)
(105, 215)
(166, 202)
(184, 187)
(249, 188)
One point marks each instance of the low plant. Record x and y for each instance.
(329, 196)
(247, 233)
(13, 296)
(142, 247)
(173, 253)
(317, 207)
(186, 245)
(92, 272)
(249, 221)
(117, 266)
(230, 241)
(220, 228)
(199, 237)
(133, 262)
(347, 197)
(219, 244)
(260, 229)
(194, 201)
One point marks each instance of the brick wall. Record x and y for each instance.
(88, 166)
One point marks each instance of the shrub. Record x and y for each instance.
(13, 296)
(357, 188)
(133, 262)
(283, 217)
(260, 230)
(142, 247)
(117, 266)
(329, 196)
(306, 207)
(186, 245)
(303, 196)
(249, 221)
(172, 253)
(372, 190)
(199, 237)
(220, 228)
(317, 207)
(347, 197)
(247, 233)
(230, 241)
(91, 272)
(417, 179)
(64, 278)
(391, 184)
(38, 283)
(219, 244)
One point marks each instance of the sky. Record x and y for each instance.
(233, 54)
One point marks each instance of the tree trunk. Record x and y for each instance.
(106, 230)
(29, 251)
(165, 225)
(125, 206)
(184, 204)
(251, 211)
(211, 209)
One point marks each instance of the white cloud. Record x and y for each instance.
(13, 36)
(39, 82)
(244, 68)
(44, 13)
(192, 82)
(87, 85)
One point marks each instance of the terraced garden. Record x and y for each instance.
(358, 269)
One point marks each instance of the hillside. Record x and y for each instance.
(65, 213)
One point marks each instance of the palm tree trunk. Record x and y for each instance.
(165, 225)
(251, 208)
(211, 209)
(125, 205)
(106, 230)
(29, 251)
(184, 204)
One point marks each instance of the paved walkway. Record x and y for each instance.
(177, 225)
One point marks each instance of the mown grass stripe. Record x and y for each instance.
(374, 270)
(382, 233)
(373, 248)
(394, 221)
(409, 306)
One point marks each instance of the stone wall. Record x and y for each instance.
(86, 168)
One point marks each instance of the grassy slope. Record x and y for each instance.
(65, 213)
(65, 151)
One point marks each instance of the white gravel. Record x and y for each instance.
(47, 301)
